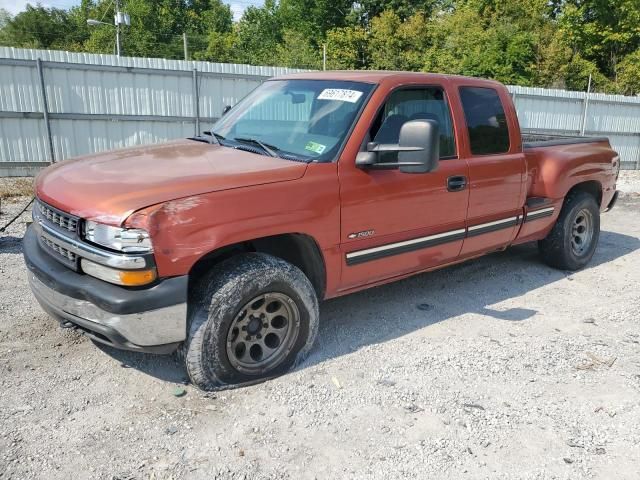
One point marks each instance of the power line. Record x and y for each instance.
(106, 10)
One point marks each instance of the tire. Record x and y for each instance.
(579, 219)
(226, 316)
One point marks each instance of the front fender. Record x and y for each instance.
(186, 229)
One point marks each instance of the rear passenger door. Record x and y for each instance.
(496, 169)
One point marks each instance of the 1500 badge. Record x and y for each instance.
(365, 234)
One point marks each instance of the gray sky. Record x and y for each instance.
(15, 6)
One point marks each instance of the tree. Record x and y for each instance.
(367, 10)
(157, 26)
(602, 32)
(398, 45)
(39, 27)
(5, 16)
(347, 48)
(297, 51)
(314, 18)
(489, 38)
(550, 43)
(259, 33)
(629, 74)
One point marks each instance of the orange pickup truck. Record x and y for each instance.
(315, 185)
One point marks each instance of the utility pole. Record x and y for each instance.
(117, 27)
(324, 56)
(121, 18)
(586, 108)
(186, 49)
(118, 19)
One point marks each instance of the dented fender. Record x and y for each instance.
(186, 229)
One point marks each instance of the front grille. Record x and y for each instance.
(57, 218)
(63, 252)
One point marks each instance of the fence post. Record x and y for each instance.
(638, 160)
(196, 103)
(586, 108)
(45, 111)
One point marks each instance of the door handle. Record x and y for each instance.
(456, 183)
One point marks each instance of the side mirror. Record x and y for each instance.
(226, 109)
(418, 149)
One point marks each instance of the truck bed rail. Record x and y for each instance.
(531, 140)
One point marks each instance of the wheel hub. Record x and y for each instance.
(255, 325)
(263, 333)
(582, 232)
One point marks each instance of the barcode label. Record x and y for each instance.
(340, 94)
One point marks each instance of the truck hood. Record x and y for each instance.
(108, 187)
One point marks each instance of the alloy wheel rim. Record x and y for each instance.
(582, 232)
(263, 333)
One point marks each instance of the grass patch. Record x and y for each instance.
(16, 187)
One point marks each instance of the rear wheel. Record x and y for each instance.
(253, 317)
(572, 242)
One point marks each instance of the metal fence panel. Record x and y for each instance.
(559, 111)
(100, 102)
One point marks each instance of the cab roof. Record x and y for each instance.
(380, 76)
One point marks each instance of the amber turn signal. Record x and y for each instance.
(133, 278)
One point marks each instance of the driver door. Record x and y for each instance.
(394, 223)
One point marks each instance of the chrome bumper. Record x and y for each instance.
(158, 331)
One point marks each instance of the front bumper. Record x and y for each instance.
(149, 319)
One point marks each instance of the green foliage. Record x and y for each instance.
(603, 32)
(347, 48)
(259, 33)
(398, 45)
(297, 51)
(487, 39)
(549, 43)
(629, 74)
(39, 27)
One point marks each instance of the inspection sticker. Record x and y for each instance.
(340, 94)
(315, 147)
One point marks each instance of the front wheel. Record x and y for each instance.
(253, 317)
(572, 242)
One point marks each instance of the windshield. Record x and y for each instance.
(305, 119)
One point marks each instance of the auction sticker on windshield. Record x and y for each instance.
(315, 147)
(340, 94)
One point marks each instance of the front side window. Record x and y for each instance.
(424, 103)
(307, 119)
(486, 121)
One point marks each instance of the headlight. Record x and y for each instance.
(129, 240)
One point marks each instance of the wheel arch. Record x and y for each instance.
(299, 249)
(592, 187)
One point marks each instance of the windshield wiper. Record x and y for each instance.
(270, 149)
(213, 138)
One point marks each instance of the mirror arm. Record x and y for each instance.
(391, 147)
(390, 165)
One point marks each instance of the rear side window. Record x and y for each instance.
(486, 121)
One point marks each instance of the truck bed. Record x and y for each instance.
(531, 140)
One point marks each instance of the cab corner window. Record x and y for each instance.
(425, 103)
(486, 120)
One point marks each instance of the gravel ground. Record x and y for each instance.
(629, 181)
(499, 368)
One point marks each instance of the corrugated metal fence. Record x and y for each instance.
(56, 105)
(543, 110)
